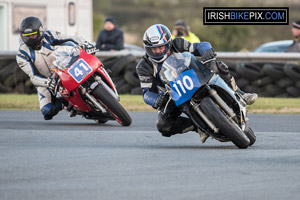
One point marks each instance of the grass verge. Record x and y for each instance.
(31, 102)
(276, 105)
(135, 103)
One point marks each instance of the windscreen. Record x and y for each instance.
(65, 55)
(175, 65)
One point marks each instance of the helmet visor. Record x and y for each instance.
(157, 52)
(32, 39)
(29, 36)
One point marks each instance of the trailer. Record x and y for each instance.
(70, 17)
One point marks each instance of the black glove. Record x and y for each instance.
(161, 101)
(208, 54)
(51, 83)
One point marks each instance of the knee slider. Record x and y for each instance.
(163, 127)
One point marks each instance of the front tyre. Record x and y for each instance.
(112, 105)
(250, 134)
(227, 127)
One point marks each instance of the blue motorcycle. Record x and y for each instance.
(206, 99)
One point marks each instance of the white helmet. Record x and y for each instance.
(155, 36)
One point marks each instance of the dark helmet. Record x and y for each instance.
(155, 36)
(32, 32)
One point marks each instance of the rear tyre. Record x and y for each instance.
(116, 109)
(226, 126)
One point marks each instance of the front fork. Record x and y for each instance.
(92, 99)
(203, 116)
(220, 102)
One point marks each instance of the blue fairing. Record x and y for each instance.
(218, 81)
(184, 86)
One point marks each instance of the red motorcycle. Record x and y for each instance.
(84, 83)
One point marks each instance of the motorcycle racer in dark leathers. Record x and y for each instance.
(159, 45)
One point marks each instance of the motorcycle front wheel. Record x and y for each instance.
(112, 105)
(227, 127)
(250, 134)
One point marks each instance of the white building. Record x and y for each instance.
(70, 17)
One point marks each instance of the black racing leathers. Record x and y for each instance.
(148, 71)
(110, 40)
(169, 121)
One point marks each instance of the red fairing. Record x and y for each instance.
(71, 84)
(68, 81)
(84, 84)
(76, 100)
(73, 76)
(107, 77)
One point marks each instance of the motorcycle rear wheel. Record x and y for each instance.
(226, 126)
(112, 105)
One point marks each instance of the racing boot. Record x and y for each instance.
(72, 113)
(249, 98)
(222, 69)
(203, 136)
(71, 110)
(51, 109)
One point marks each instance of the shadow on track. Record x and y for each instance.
(81, 124)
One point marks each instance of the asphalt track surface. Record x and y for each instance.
(74, 158)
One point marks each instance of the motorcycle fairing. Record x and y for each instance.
(69, 82)
(79, 70)
(184, 86)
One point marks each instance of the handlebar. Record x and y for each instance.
(56, 87)
(207, 61)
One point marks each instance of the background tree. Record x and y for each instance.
(135, 16)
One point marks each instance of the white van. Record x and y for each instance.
(70, 17)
